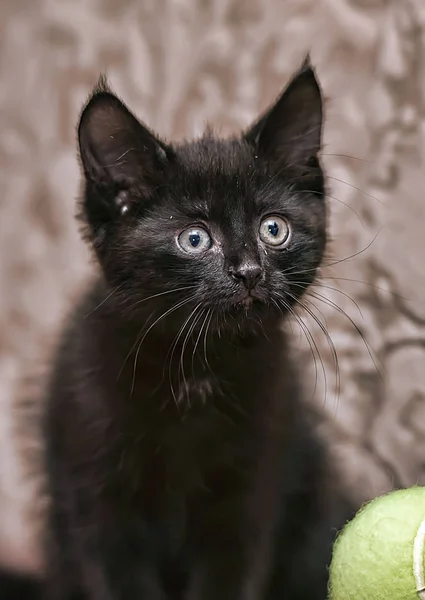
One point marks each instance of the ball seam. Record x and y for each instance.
(418, 560)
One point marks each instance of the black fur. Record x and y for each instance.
(15, 585)
(182, 463)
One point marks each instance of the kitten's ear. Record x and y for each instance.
(115, 148)
(290, 133)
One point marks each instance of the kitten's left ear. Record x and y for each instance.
(290, 133)
(116, 149)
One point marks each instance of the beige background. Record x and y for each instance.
(181, 63)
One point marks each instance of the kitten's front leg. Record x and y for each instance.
(98, 552)
(232, 557)
(108, 569)
(123, 575)
(231, 576)
(222, 579)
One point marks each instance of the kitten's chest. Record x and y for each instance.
(205, 432)
(197, 429)
(200, 441)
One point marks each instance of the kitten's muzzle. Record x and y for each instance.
(248, 273)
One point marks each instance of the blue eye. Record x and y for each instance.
(195, 240)
(275, 231)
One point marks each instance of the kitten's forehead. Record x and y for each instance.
(211, 157)
(219, 176)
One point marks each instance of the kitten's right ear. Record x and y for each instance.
(115, 148)
(289, 134)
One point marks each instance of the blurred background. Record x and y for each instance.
(180, 64)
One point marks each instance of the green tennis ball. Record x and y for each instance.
(379, 555)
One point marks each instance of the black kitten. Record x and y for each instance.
(180, 461)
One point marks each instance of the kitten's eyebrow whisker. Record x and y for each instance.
(334, 262)
(314, 150)
(327, 195)
(302, 136)
(346, 156)
(358, 189)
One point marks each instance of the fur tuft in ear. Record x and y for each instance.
(115, 148)
(289, 134)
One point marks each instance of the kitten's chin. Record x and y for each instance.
(249, 299)
(248, 308)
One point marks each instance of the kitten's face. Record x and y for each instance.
(234, 228)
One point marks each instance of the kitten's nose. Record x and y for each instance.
(249, 273)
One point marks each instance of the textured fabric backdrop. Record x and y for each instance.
(181, 63)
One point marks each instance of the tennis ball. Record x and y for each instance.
(379, 555)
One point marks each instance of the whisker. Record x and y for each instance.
(355, 254)
(334, 289)
(174, 346)
(321, 313)
(329, 341)
(346, 156)
(334, 262)
(358, 190)
(104, 300)
(205, 339)
(328, 195)
(189, 333)
(312, 344)
(168, 356)
(321, 277)
(180, 289)
(135, 344)
(199, 317)
(147, 320)
(368, 283)
(332, 304)
(165, 314)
